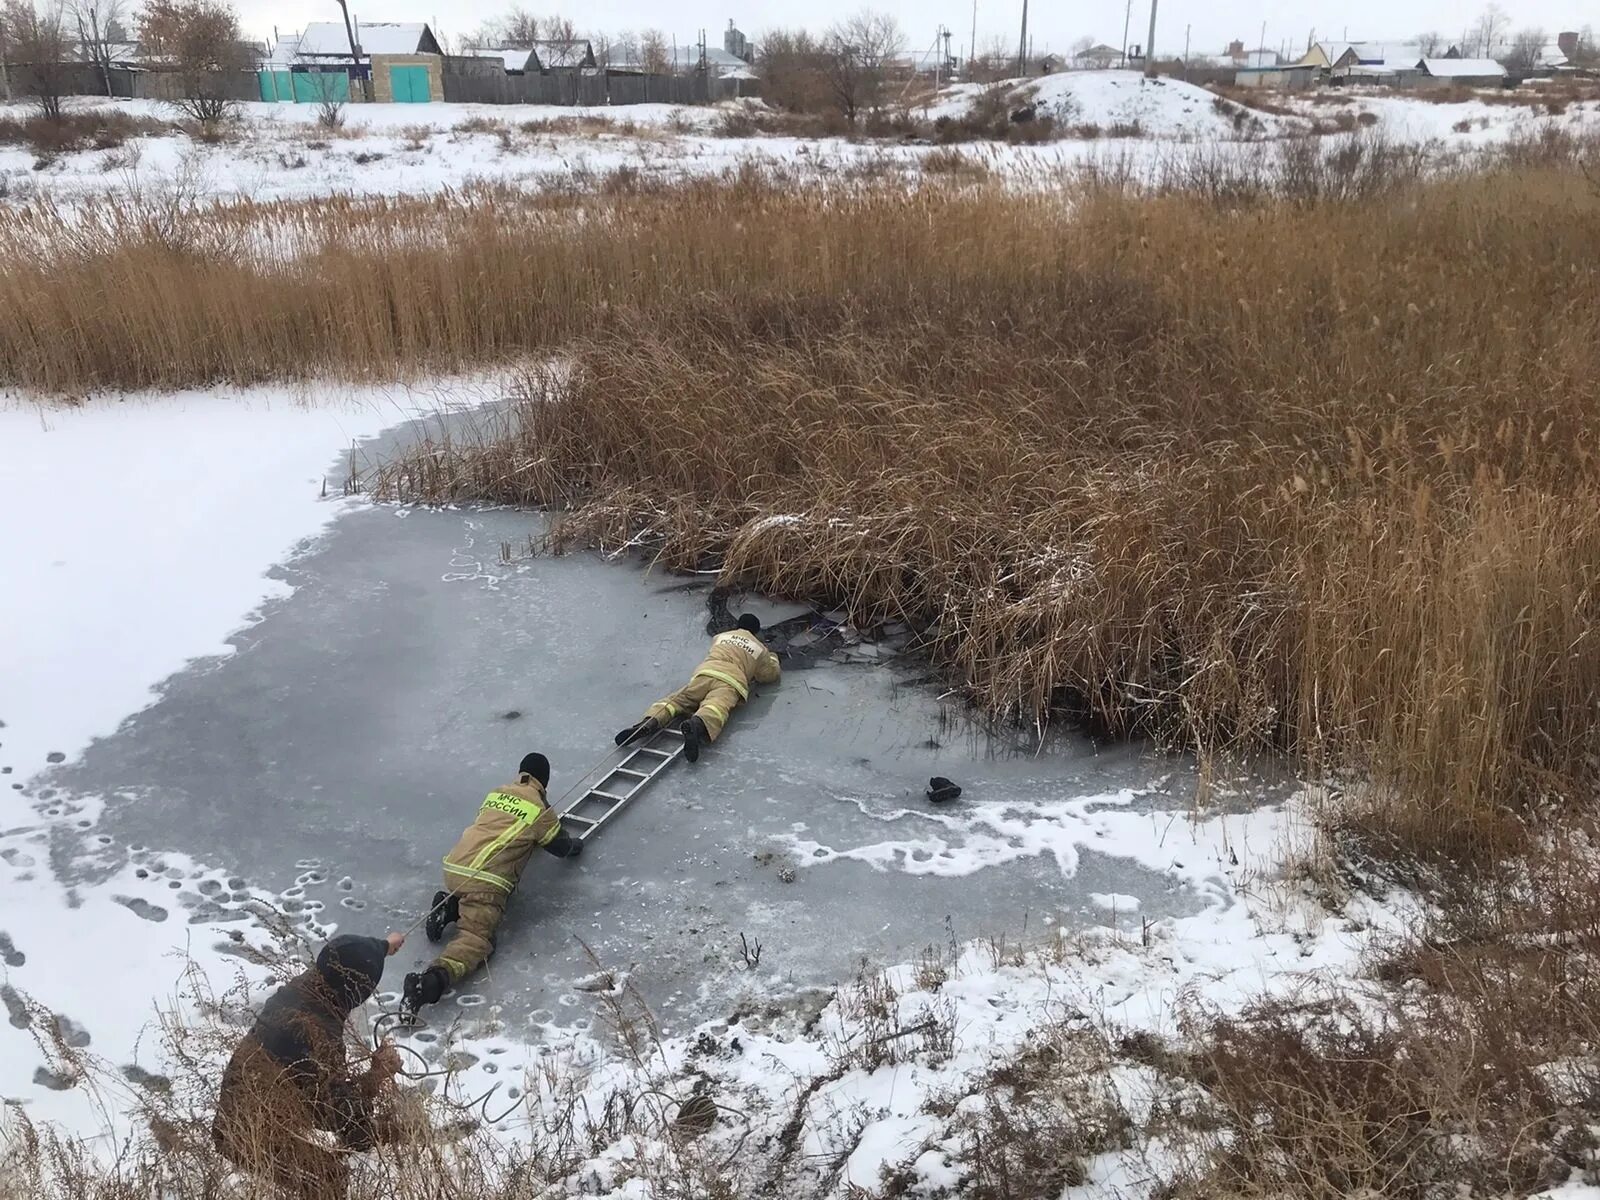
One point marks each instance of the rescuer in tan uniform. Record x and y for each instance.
(482, 871)
(719, 685)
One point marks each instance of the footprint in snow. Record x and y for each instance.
(142, 908)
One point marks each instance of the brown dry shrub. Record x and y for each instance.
(1324, 1099)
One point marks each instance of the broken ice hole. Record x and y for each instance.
(310, 877)
(471, 1001)
(306, 864)
(55, 756)
(346, 884)
(353, 904)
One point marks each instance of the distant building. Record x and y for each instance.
(922, 62)
(327, 43)
(1461, 72)
(517, 60)
(1288, 77)
(575, 54)
(736, 44)
(395, 62)
(1100, 57)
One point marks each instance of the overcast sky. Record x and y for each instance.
(1052, 25)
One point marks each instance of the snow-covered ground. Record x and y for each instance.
(1164, 109)
(279, 153)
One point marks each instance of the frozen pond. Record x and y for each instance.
(336, 756)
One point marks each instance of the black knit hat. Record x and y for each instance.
(750, 623)
(352, 965)
(536, 765)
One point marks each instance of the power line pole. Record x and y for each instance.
(972, 47)
(1150, 45)
(1186, 29)
(1022, 45)
(1127, 15)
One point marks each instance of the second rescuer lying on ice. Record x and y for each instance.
(719, 685)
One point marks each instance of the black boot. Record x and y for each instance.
(420, 989)
(446, 910)
(695, 735)
(634, 733)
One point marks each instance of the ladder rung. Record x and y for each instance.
(572, 816)
(605, 794)
(631, 771)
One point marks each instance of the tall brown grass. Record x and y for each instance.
(1132, 461)
(1306, 466)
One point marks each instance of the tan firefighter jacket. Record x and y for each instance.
(515, 820)
(738, 659)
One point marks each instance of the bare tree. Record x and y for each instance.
(1527, 48)
(330, 92)
(560, 29)
(856, 57)
(1430, 44)
(654, 53)
(993, 62)
(36, 41)
(519, 29)
(199, 40)
(619, 51)
(99, 21)
(1490, 29)
(789, 62)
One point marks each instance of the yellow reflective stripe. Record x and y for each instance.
(555, 829)
(732, 681)
(457, 969)
(489, 877)
(721, 716)
(672, 709)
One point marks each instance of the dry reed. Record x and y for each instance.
(1126, 463)
(1309, 470)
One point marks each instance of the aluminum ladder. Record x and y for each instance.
(636, 771)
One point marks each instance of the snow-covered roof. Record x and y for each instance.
(1456, 68)
(513, 58)
(1394, 55)
(328, 39)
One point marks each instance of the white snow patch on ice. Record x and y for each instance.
(139, 535)
(1114, 901)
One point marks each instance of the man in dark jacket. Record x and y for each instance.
(290, 1076)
